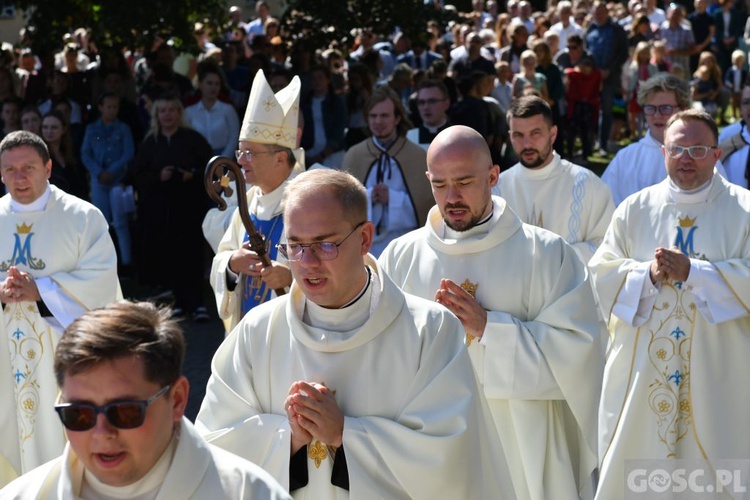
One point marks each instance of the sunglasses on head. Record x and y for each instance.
(122, 414)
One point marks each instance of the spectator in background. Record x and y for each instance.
(680, 43)
(528, 78)
(734, 80)
(325, 118)
(358, 92)
(704, 29)
(503, 89)
(433, 103)
(106, 154)
(59, 90)
(10, 113)
(256, 26)
(214, 119)
(608, 44)
(31, 120)
(66, 172)
(566, 26)
(518, 35)
(171, 205)
(472, 61)
(582, 89)
(573, 54)
(730, 25)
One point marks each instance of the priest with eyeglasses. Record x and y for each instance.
(347, 387)
(672, 276)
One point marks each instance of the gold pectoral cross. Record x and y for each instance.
(471, 289)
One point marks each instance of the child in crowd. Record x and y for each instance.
(658, 51)
(704, 89)
(582, 89)
(734, 79)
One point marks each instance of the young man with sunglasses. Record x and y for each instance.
(641, 164)
(672, 281)
(122, 399)
(347, 384)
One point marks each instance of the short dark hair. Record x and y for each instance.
(434, 84)
(24, 138)
(528, 106)
(106, 95)
(119, 330)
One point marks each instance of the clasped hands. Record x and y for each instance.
(313, 413)
(18, 286)
(245, 261)
(466, 308)
(669, 264)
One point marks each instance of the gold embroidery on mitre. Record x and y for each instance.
(318, 452)
(471, 289)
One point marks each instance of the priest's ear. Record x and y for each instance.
(367, 230)
(494, 175)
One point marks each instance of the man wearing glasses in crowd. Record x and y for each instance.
(122, 404)
(671, 276)
(433, 103)
(641, 164)
(269, 134)
(347, 384)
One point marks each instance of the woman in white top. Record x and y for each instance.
(216, 120)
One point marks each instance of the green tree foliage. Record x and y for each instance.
(127, 22)
(324, 21)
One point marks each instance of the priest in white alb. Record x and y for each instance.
(546, 191)
(523, 296)
(57, 261)
(673, 280)
(347, 387)
(640, 165)
(268, 156)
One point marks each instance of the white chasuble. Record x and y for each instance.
(539, 358)
(67, 249)
(415, 423)
(569, 200)
(673, 386)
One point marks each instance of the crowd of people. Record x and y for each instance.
(453, 305)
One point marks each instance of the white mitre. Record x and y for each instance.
(273, 119)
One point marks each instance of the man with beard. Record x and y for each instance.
(392, 169)
(546, 191)
(641, 164)
(524, 299)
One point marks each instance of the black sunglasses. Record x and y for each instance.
(122, 414)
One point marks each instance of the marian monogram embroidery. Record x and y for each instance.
(685, 237)
(22, 253)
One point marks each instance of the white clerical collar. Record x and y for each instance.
(434, 130)
(349, 317)
(692, 196)
(145, 488)
(482, 227)
(545, 172)
(266, 206)
(35, 206)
